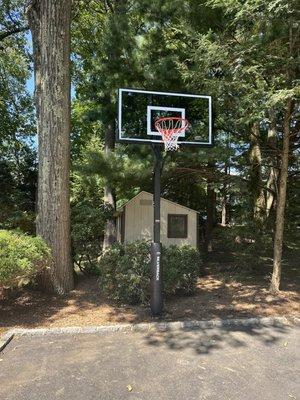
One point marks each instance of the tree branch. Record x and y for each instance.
(4, 35)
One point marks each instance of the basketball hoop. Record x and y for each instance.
(170, 129)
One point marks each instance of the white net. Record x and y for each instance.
(171, 129)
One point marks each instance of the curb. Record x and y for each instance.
(151, 326)
(5, 339)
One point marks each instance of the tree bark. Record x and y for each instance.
(224, 201)
(273, 160)
(210, 212)
(281, 202)
(256, 185)
(223, 211)
(49, 22)
(110, 235)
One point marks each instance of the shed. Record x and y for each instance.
(179, 224)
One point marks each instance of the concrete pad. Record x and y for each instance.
(218, 362)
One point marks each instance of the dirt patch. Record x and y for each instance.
(216, 297)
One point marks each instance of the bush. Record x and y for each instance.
(21, 258)
(125, 271)
(181, 269)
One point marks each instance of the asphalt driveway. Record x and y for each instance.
(237, 363)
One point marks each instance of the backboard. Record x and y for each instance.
(139, 109)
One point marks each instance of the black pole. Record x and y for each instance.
(156, 301)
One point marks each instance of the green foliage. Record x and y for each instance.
(181, 268)
(18, 171)
(88, 221)
(125, 271)
(16, 108)
(21, 258)
(245, 247)
(18, 184)
(15, 104)
(88, 212)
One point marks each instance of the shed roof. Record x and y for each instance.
(150, 194)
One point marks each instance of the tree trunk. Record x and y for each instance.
(279, 227)
(49, 22)
(223, 211)
(210, 212)
(224, 201)
(273, 160)
(256, 185)
(271, 189)
(110, 235)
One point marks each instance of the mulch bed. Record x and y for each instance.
(216, 297)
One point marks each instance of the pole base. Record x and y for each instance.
(156, 301)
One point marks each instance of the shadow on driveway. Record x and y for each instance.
(238, 363)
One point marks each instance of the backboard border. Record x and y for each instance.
(119, 139)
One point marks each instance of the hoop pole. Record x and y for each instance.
(156, 301)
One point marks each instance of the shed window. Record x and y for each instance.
(177, 225)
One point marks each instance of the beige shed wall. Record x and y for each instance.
(139, 221)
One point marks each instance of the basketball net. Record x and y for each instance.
(170, 129)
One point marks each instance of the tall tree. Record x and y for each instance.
(281, 203)
(210, 213)
(272, 181)
(253, 61)
(110, 234)
(103, 63)
(49, 22)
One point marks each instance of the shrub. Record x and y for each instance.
(181, 269)
(21, 258)
(125, 271)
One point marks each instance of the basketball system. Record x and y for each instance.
(169, 120)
